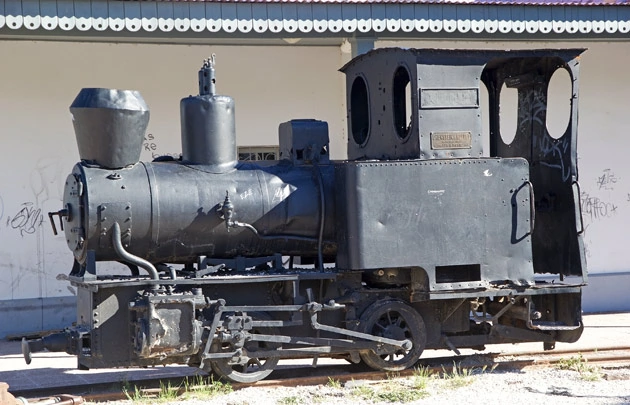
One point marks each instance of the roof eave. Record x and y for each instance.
(109, 18)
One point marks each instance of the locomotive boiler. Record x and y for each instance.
(420, 240)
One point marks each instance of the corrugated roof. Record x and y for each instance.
(321, 18)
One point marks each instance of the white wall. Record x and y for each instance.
(39, 81)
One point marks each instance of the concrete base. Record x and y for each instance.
(606, 292)
(36, 314)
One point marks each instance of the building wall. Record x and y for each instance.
(39, 80)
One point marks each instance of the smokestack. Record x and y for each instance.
(109, 125)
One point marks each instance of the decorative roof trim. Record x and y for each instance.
(317, 19)
(583, 3)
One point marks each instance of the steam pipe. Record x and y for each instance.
(322, 216)
(128, 257)
(236, 224)
(168, 269)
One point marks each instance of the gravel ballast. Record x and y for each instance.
(529, 386)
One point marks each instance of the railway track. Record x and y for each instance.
(608, 358)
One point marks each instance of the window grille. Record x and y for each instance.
(252, 153)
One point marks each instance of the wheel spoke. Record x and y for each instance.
(381, 326)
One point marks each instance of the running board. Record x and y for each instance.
(552, 326)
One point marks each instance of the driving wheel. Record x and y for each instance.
(249, 368)
(394, 319)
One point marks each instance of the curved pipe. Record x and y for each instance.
(236, 224)
(128, 257)
(168, 269)
(322, 216)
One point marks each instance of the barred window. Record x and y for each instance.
(251, 153)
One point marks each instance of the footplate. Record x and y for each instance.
(552, 326)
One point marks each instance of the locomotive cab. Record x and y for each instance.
(456, 217)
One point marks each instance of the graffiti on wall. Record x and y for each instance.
(607, 180)
(26, 217)
(596, 207)
(151, 145)
(602, 202)
(26, 220)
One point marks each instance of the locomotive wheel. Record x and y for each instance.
(253, 369)
(394, 320)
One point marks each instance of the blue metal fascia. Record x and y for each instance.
(24, 316)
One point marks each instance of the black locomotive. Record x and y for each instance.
(418, 241)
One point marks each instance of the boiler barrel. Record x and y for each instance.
(170, 212)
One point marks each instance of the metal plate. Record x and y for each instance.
(466, 222)
(451, 140)
(449, 98)
(108, 213)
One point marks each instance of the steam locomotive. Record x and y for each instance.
(419, 240)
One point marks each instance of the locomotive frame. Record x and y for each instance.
(418, 241)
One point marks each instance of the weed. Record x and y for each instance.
(458, 377)
(332, 383)
(134, 395)
(594, 375)
(168, 393)
(393, 390)
(580, 364)
(420, 378)
(293, 400)
(574, 363)
(364, 392)
(191, 388)
(199, 388)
